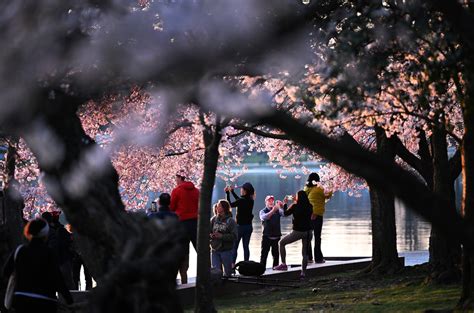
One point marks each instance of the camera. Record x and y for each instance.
(289, 197)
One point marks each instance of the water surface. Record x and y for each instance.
(346, 228)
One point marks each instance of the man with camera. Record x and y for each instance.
(270, 217)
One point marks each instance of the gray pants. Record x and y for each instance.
(305, 237)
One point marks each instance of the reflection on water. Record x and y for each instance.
(346, 228)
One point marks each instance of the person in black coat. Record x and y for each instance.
(301, 211)
(38, 277)
(243, 217)
(60, 241)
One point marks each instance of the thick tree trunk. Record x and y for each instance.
(204, 298)
(384, 235)
(86, 192)
(439, 175)
(133, 259)
(445, 254)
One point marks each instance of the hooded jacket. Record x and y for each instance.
(185, 200)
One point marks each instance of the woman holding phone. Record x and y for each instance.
(243, 216)
(317, 197)
(301, 210)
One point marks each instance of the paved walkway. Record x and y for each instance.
(411, 258)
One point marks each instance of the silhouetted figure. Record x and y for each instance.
(60, 242)
(163, 212)
(38, 277)
(77, 263)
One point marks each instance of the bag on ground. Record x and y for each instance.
(250, 268)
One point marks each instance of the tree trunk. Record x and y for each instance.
(204, 298)
(445, 254)
(385, 175)
(384, 236)
(88, 196)
(134, 260)
(467, 207)
(12, 205)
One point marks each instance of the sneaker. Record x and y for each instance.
(302, 276)
(322, 261)
(281, 267)
(311, 261)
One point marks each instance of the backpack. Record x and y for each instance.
(250, 268)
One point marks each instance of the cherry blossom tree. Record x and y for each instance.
(82, 48)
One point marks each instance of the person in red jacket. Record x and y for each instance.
(184, 202)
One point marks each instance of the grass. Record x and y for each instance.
(349, 292)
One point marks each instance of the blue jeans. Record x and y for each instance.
(222, 258)
(243, 232)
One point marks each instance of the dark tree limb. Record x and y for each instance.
(378, 172)
(412, 160)
(259, 132)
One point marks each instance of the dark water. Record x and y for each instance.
(346, 228)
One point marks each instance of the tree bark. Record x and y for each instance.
(133, 259)
(376, 171)
(204, 296)
(439, 174)
(89, 197)
(445, 254)
(12, 205)
(384, 234)
(467, 207)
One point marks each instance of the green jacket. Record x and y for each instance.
(227, 227)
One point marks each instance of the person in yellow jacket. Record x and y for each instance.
(317, 197)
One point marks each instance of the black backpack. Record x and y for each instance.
(250, 268)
